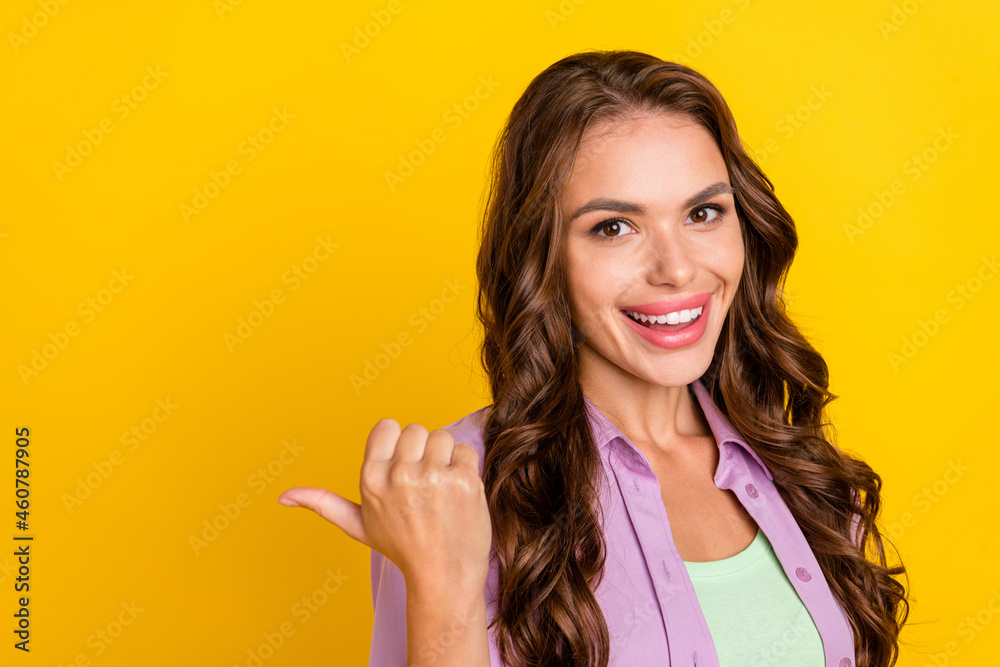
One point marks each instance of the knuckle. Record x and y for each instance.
(468, 483)
(432, 482)
(368, 477)
(400, 475)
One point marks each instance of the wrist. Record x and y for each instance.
(445, 590)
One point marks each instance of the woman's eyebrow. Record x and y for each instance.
(619, 206)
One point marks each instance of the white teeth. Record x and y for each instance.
(675, 317)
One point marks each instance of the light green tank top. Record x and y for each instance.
(754, 614)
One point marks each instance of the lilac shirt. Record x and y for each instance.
(646, 595)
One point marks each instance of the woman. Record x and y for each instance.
(655, 486)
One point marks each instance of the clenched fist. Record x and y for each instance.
(423, 505)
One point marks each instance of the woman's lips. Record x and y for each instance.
(672, 336)
(659, 307)
(656, 326)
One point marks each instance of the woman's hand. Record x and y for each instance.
(423, 506)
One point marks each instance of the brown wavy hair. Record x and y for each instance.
(541, 464)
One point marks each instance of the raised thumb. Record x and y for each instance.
(341, 512)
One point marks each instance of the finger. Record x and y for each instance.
(411, 443)
(465, 454)
(381, 441)
(437, 450)
(341, 512)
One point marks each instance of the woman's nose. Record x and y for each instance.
(668, 260)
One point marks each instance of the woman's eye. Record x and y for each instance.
(612, 228)
(705, 214)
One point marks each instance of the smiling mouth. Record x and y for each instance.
(678, 318)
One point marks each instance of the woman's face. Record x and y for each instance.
(655, 232)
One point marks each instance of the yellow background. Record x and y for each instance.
(891, 77)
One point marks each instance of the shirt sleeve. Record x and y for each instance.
(388, 647)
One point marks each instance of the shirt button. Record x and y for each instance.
(729, 450)
(752, 491)
(803, 574)
(845, 662)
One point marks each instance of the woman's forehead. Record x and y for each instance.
(657, 158)
(619, 126)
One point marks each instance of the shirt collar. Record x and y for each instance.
(604, 431)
